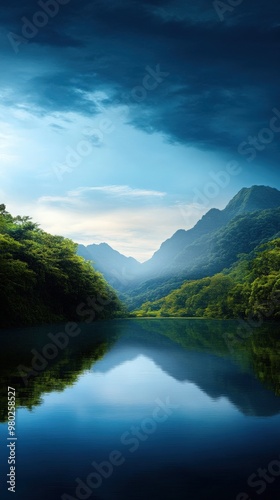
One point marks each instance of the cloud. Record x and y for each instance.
(125, 230)
(223, 77)
(137, 229)
(102, 200)
(61, 201)
(118, 191)
(89, 64)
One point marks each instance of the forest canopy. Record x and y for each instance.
(250, 287)
(43, 280)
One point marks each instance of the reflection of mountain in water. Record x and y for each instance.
(216, 376)
(187, 350)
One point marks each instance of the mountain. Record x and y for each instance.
(251, 218)
(250, 288)
(252, 199)
(117, 269)
(246, 201)
(213, 252)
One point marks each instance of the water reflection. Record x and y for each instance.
(186, 350)
(110, 379)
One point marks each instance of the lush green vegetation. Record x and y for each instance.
(260, 351)
(209, 254)
(43, 280)
(251, 287)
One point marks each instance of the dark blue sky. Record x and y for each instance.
(122, 121)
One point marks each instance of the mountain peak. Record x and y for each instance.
(116, 268)
(252, 199)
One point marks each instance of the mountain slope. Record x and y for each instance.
(252, 217)
(117, 269)
(217, 249)
(210, 254)
(252, 199)
(246, 201)
(211, 221)
(250, 288)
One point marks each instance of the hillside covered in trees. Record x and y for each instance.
(43, 280)
(250, 219)
(250, 288)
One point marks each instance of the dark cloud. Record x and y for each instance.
(223, 76)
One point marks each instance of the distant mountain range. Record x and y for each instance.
(117, 269)
(252, 217)
(178, 252)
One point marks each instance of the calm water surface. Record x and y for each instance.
(144, 409)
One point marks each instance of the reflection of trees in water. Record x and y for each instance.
(60, 373)
(201, 335)
(265, 355)
(261, 351)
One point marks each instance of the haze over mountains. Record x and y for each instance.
(251, 218)
(116, 268)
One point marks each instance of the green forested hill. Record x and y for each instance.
(251, 287)
(210, 254)
(43, 280)
(186, 250)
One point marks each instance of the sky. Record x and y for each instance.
(124, 121)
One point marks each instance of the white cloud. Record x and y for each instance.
(137, 231)
(119, 191)
(59, 200)
(106, 198)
